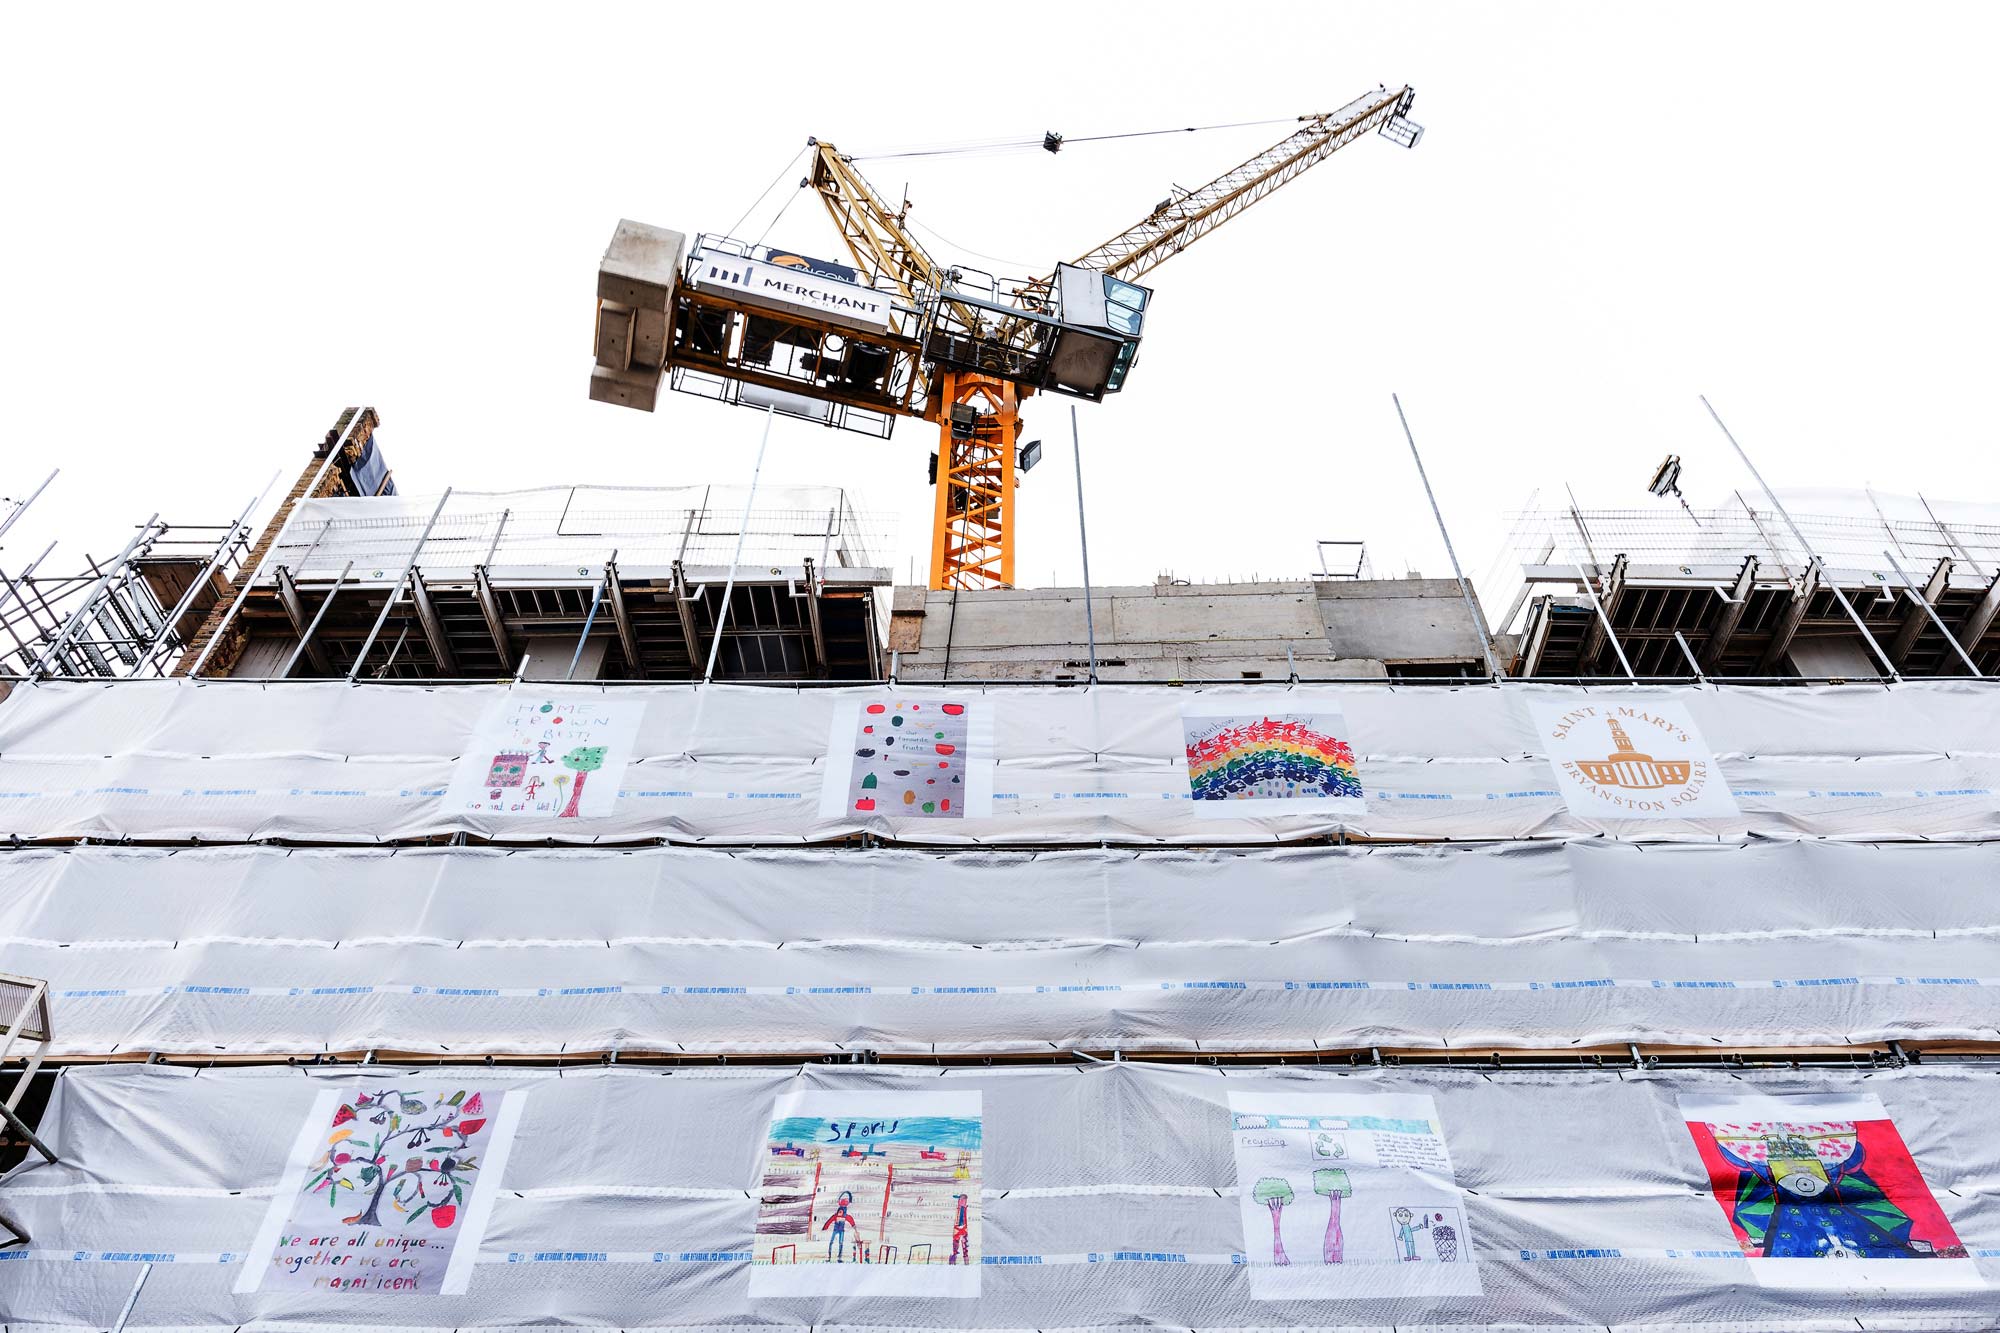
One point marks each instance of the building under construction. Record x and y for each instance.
(610, 908)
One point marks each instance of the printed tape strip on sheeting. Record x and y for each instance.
(1024, 988)
(991, 1260)
(777, 794)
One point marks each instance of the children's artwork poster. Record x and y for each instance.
(550, 756)
(1347, 1196)
(870, 1193)
(1258, 763)
(386, 1190)
(909, 758)
(1632, 758)
(1820, 1192)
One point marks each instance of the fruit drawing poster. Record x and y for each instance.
(547, 756)
(909, 757)
(1299, 761)
(1347, 1196)
(387, 1190)
(1820, 1192)
(869, 1192)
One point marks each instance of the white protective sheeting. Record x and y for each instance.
(1106, 1195)
(175, 760)
(483, 950)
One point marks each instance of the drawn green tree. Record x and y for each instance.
(582, 761)
(1274, 1192)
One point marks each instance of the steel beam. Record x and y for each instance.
(1728, 615)
(1975, 626)
(1594, 638)
(1788, 624)
(433, 623)
(325, 605)
(689, 634)
(295, 611)
(1605, 622)
(1914, 618)
(628, 637)
(818, 664)
(496, 624)
(396, 592)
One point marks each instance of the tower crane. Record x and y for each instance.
(894, 332)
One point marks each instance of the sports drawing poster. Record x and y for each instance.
(1820, 1192)
(1348, 1196)
(1632, 757)
(557, 756)
(386, 1190)
(869, 1193)
(929, 758)
(1242, 763)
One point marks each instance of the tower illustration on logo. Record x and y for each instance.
(1626, 767)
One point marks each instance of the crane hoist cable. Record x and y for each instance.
(1053, 141)
(945, 240)
(791, 164)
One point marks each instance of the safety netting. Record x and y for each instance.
(468, 950)
(1039, 765)
(1049, 1198)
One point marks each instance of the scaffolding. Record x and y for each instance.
(129, 616)
(1863, 585)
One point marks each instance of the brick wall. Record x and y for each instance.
(225, 654)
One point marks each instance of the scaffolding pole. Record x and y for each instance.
(1464, 589)
(1832, 584)
(396, 592)
(90, 602)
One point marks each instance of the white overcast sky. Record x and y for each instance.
(225, 223)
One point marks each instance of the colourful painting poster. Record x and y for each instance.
(387, 1190)
(869, 1193)
(546, 756)
(1820, 1192)
(1257, 763)
(1348, 1196)
(901, 757)
(1632, 757)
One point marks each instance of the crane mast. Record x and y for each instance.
(901, 334)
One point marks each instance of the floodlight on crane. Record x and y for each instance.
(895, 333)
(1667, 481)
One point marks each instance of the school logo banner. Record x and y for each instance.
(1632, 757)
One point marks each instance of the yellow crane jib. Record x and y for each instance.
(891, 332)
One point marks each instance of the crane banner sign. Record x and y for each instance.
(791, 289)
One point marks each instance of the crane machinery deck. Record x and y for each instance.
(897, 333)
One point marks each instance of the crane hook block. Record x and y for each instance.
(1052, 141)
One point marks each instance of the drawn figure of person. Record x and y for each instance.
(960, 1241)
(1444, 1239)
(542, 754)
(840, 1221)
(1407, 1227)
(1798, 1201)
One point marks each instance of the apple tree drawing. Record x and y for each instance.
(409, 1150)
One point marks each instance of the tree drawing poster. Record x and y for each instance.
(869, 1193)
(547, 756)
(1348, 1196)
(1820, 1192)
(1256, 763)
(387, 1190)
(902, 757)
